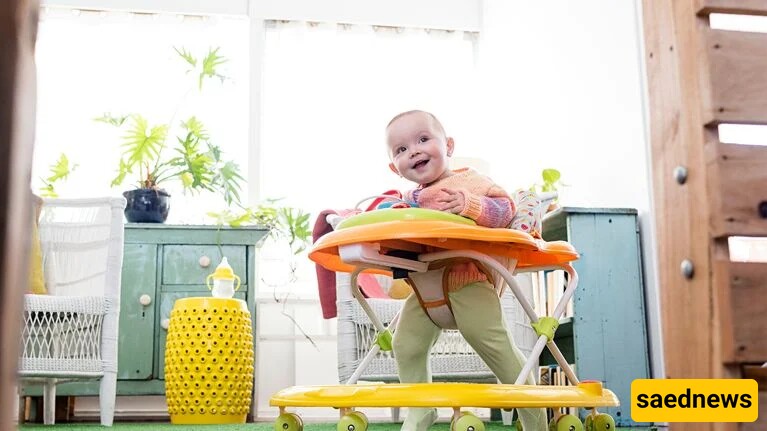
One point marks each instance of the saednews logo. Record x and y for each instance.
(694, 400)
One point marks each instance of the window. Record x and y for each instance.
(329, 91)
(92, 62)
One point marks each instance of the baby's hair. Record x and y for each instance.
(415, 111)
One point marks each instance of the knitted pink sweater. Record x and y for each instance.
(485, 202)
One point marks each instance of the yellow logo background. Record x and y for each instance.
(665, 400)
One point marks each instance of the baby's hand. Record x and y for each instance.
(451, 200)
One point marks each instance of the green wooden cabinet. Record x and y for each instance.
(607, 336)
(163, 263)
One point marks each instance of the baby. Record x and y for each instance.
(418, 151)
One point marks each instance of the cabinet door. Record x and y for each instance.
(136, 336)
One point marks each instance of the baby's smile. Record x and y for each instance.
(420, 164)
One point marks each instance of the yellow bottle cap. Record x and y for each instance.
(224, 271)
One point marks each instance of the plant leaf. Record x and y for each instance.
(295, 224)
(230, 181)
(186, 55)
(195, 127)
(141, 144)
(209, 65)
(61, 169)
(195, 163)
(232, 219)
(48, 191)
(108, 118)
(122, 171)
(550, 176)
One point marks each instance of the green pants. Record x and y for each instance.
(479, 317)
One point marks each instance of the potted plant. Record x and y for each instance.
(551, 183)
(153, 158)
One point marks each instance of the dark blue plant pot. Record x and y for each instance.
(147, 205)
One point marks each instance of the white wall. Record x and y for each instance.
(564, 88)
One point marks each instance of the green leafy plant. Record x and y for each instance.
(288, 223)
(551, 181)
(294, 224)
(58, 171)
(153, 158)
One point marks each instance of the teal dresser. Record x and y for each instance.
(163, 263)
(606, 338)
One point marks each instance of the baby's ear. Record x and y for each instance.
(393, 168)
(450, 146)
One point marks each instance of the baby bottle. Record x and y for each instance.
(223, 281)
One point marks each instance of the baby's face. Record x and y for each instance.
(418, 148)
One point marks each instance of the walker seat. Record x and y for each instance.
(408, 240)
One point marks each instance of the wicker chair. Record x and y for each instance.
(71, 333)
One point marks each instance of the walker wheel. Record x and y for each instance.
(362, 416)
(566, 423)
(601, 422)
(467, 422)
(353, 421)
(288, 422)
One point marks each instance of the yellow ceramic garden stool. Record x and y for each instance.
(209, 361)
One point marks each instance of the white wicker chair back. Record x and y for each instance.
(71, 333)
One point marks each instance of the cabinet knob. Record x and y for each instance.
(204, 261)
(145, 299)
(165, 324)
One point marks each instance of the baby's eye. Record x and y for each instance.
(423, 139)
(400, 150)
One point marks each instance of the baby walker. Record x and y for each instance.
(407, 241)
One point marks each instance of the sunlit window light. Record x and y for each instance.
(751, 23)
(746, 134)
(748, 249)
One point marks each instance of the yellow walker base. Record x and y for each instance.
(451, 395)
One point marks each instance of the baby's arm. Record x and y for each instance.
(486, 211)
